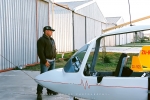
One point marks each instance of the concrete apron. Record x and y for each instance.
(16, 85)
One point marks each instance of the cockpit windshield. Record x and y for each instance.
(74, 63)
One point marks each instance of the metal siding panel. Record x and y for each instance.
(106, 41)
(33, 32)
(63, 30)
(1, 10)
(42, 16)
(4, 35)
(1, 28)
(121, 39)
(13, 20)
(124, 38)
(2, 39)
(15, 39)
(92, 11)
(74, 4)
(60, 23)
(79, 31)
(51, 12)
(130, 38)
(117, 40)
(10, 36)
(98, 28)
(90, 29)
(111, 41)
(17, 27)
(93, 28)
(43, 19)
(114, 42)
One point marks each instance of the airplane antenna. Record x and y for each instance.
(18, 67)
(129, 12)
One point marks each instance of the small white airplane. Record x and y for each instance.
(79, 79)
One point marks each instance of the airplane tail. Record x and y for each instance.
(136, 64)
(142, 62)
(145, 56)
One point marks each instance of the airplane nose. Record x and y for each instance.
(48, 78)
(43, 77)
(39, 78)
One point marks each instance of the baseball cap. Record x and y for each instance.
(48, 28)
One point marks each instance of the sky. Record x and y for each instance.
(115, 8)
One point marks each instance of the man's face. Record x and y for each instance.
(48, 32)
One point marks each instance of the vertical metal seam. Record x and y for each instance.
(85, 30)
(36, 25)
(115, 41)
(73, 30)
(48, 13)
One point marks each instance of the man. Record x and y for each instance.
(46, 50)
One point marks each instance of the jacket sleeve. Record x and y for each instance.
(40, 51)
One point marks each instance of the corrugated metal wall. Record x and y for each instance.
(18, 31)
(63, 34)
(1, 12)
(79, 31)
(92, 11)
(119, 39)
(73, 30)
(20, 24)
(124, 39)
(43, 16)
(109, 41)
(130, 38)
(98, 28)
(90, 27)
(69, 31)
(93, 29)
(51, 13)
(116, 40)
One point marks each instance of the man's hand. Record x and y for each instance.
(47, 64)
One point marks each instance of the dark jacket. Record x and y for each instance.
(46, 48)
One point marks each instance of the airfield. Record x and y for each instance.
(16, 85)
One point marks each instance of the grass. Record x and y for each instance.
(100, 65)
(136, 44)
(109, 65)
(114, 58)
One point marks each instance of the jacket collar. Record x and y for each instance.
(45, 36)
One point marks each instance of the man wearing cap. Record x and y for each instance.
(46, 50)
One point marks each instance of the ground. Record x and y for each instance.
(17, 85)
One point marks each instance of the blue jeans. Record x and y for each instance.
(44, 69)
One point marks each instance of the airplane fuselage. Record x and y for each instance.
(116, 88)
